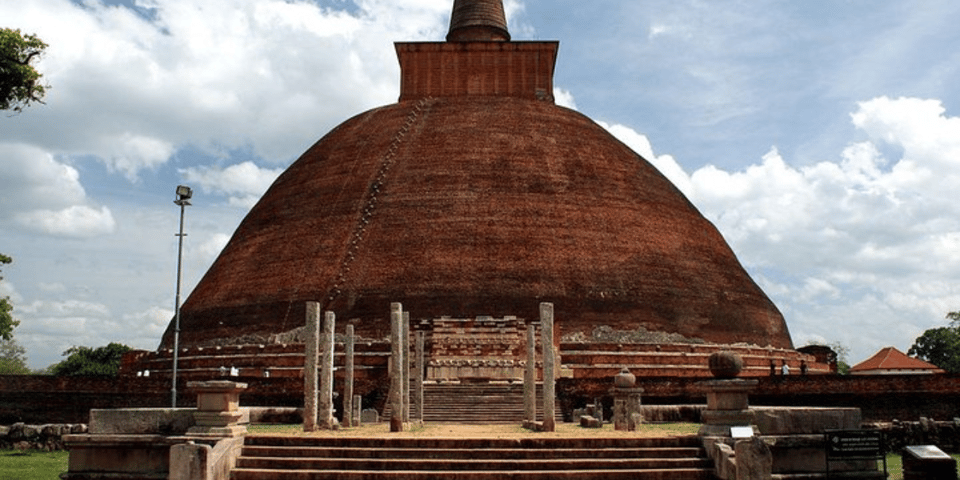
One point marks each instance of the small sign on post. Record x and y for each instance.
(927, 462)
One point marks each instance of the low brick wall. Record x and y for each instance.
(880, 398)
(68, 400)
(899, 434)
(49, 437)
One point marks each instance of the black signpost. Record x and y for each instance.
(843, 445)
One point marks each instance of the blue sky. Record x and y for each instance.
(821, 137)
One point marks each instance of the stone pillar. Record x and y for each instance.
(325, 405)
(311, 355)
(549, 360)
(728, 401)
(530, 376)
(405, 364)
(357, 408)
(396, 376)
(627, 413)
(418, 376)
(349, 420)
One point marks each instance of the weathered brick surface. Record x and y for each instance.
(514, 69)
(491, 206)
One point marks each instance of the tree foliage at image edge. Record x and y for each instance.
(19, 81)
(940, 346)
(7, 323)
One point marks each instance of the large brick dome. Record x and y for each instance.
(476, 195)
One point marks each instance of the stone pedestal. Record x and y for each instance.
(218, 409)
(627, 412)
(728, 405)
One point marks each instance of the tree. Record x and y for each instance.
(86, 361)
(19, 81)
(13, 358)
(7, 323)
(940, 346)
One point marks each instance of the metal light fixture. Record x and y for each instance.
(184, 193)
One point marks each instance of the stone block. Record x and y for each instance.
(586, 421)
(106, 455)
(801, 420)
(369, 415)
(754, 459)
(189, 461)
(724, 459)
(141, 421)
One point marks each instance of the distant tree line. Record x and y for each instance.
(940, 346)
(80, 361)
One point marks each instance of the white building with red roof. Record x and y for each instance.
(890, 361)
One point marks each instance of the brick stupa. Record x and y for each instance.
(476, 195)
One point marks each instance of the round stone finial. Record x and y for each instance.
(725, 364)
(625, 379)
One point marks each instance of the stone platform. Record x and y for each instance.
(281, 458)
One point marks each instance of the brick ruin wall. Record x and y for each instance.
(882, 398)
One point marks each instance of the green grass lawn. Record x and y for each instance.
(32, 465)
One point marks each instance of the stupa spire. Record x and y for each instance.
(478, 21)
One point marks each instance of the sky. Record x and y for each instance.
(821, 137)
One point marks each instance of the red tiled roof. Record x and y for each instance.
(890, 358)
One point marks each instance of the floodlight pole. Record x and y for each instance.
(183, 199)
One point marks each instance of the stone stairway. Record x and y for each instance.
(317, 458)
(475, 404)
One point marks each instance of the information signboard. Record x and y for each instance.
(854, 445)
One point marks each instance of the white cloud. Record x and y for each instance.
(73, 221)
(219, 75)
(244, 182)
(43, 195)
(211, 248)
(862, 240)
(149, 324)
(874, 238)
(32, 178)
(564, 98)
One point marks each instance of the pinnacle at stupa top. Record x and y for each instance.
(478, 59)
(478, 21)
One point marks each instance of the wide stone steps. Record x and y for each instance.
(475, 404)
(294, 458)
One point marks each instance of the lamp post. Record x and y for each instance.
(183, 199)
